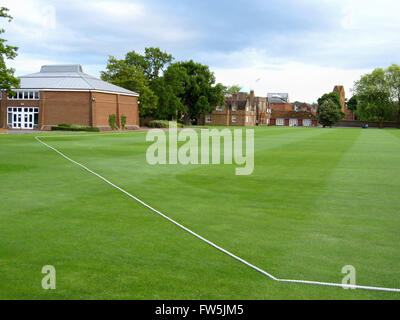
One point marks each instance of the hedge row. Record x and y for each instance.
(73, 127)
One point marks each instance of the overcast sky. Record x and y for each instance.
(303, 47)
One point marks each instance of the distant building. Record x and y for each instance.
(293, 118)
(340, 90)
(278, 97)
(240, 109)
(279, 101)
(286, 114)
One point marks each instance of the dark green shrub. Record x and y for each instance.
(159, 124)
(65, 125)
(74, 127)
(145, 122)
(123, 121)
(112, 120)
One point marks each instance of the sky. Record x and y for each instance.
(302, 47)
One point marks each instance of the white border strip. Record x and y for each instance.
(344, 286)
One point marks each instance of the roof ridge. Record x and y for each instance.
(91, 86)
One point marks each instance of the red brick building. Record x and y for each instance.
(65, 94)
(286, 114)
(240, 109)
(342, 94)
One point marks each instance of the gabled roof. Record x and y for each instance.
(68, 77)
(240, 104)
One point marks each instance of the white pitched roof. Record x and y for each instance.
(68, 77)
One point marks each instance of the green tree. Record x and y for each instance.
(131, 77)
(392, 75)
(7, 79)
(333, 96)
(329, 113)
(153, 62)
(374, 97)
(200, 95)
(232, 89)
(170, 88)
(352, 103)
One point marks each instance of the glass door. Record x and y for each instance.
(23, 118)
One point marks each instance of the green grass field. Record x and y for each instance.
(319, 199)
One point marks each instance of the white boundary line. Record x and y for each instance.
(344, 286)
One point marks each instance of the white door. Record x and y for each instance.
(307, 123)
(23, 117)
(293, 122)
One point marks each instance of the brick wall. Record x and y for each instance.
(64, 107)
(104, 104)
(128, 106)
(280, 106)
(359, 124)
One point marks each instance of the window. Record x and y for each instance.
(9, 121)
(293, 122)
(220, 108)
(234, 108)
(280, 122)
(24, 95)
(233, 118)
(12, 95)
(247, 118)
(208, 118)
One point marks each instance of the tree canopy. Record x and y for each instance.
(131, 77)
(333, 96)
(199, 94)
(181, 90)
(7, 79)
(329, 109)
(152, 63)
(376, 95)
(352, 103)
(232, 89)
(329, 113)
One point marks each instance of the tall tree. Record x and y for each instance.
(329, 113)
(170, 88)
(7, 79)
(374, 97)
(329, 109)
(392, 75)
(333, 96)
(352, 103)
(153, 62)
(200, 95)
(131, 77)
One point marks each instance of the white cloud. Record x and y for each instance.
(303, 82)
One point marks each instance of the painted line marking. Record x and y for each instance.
(206, 240)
